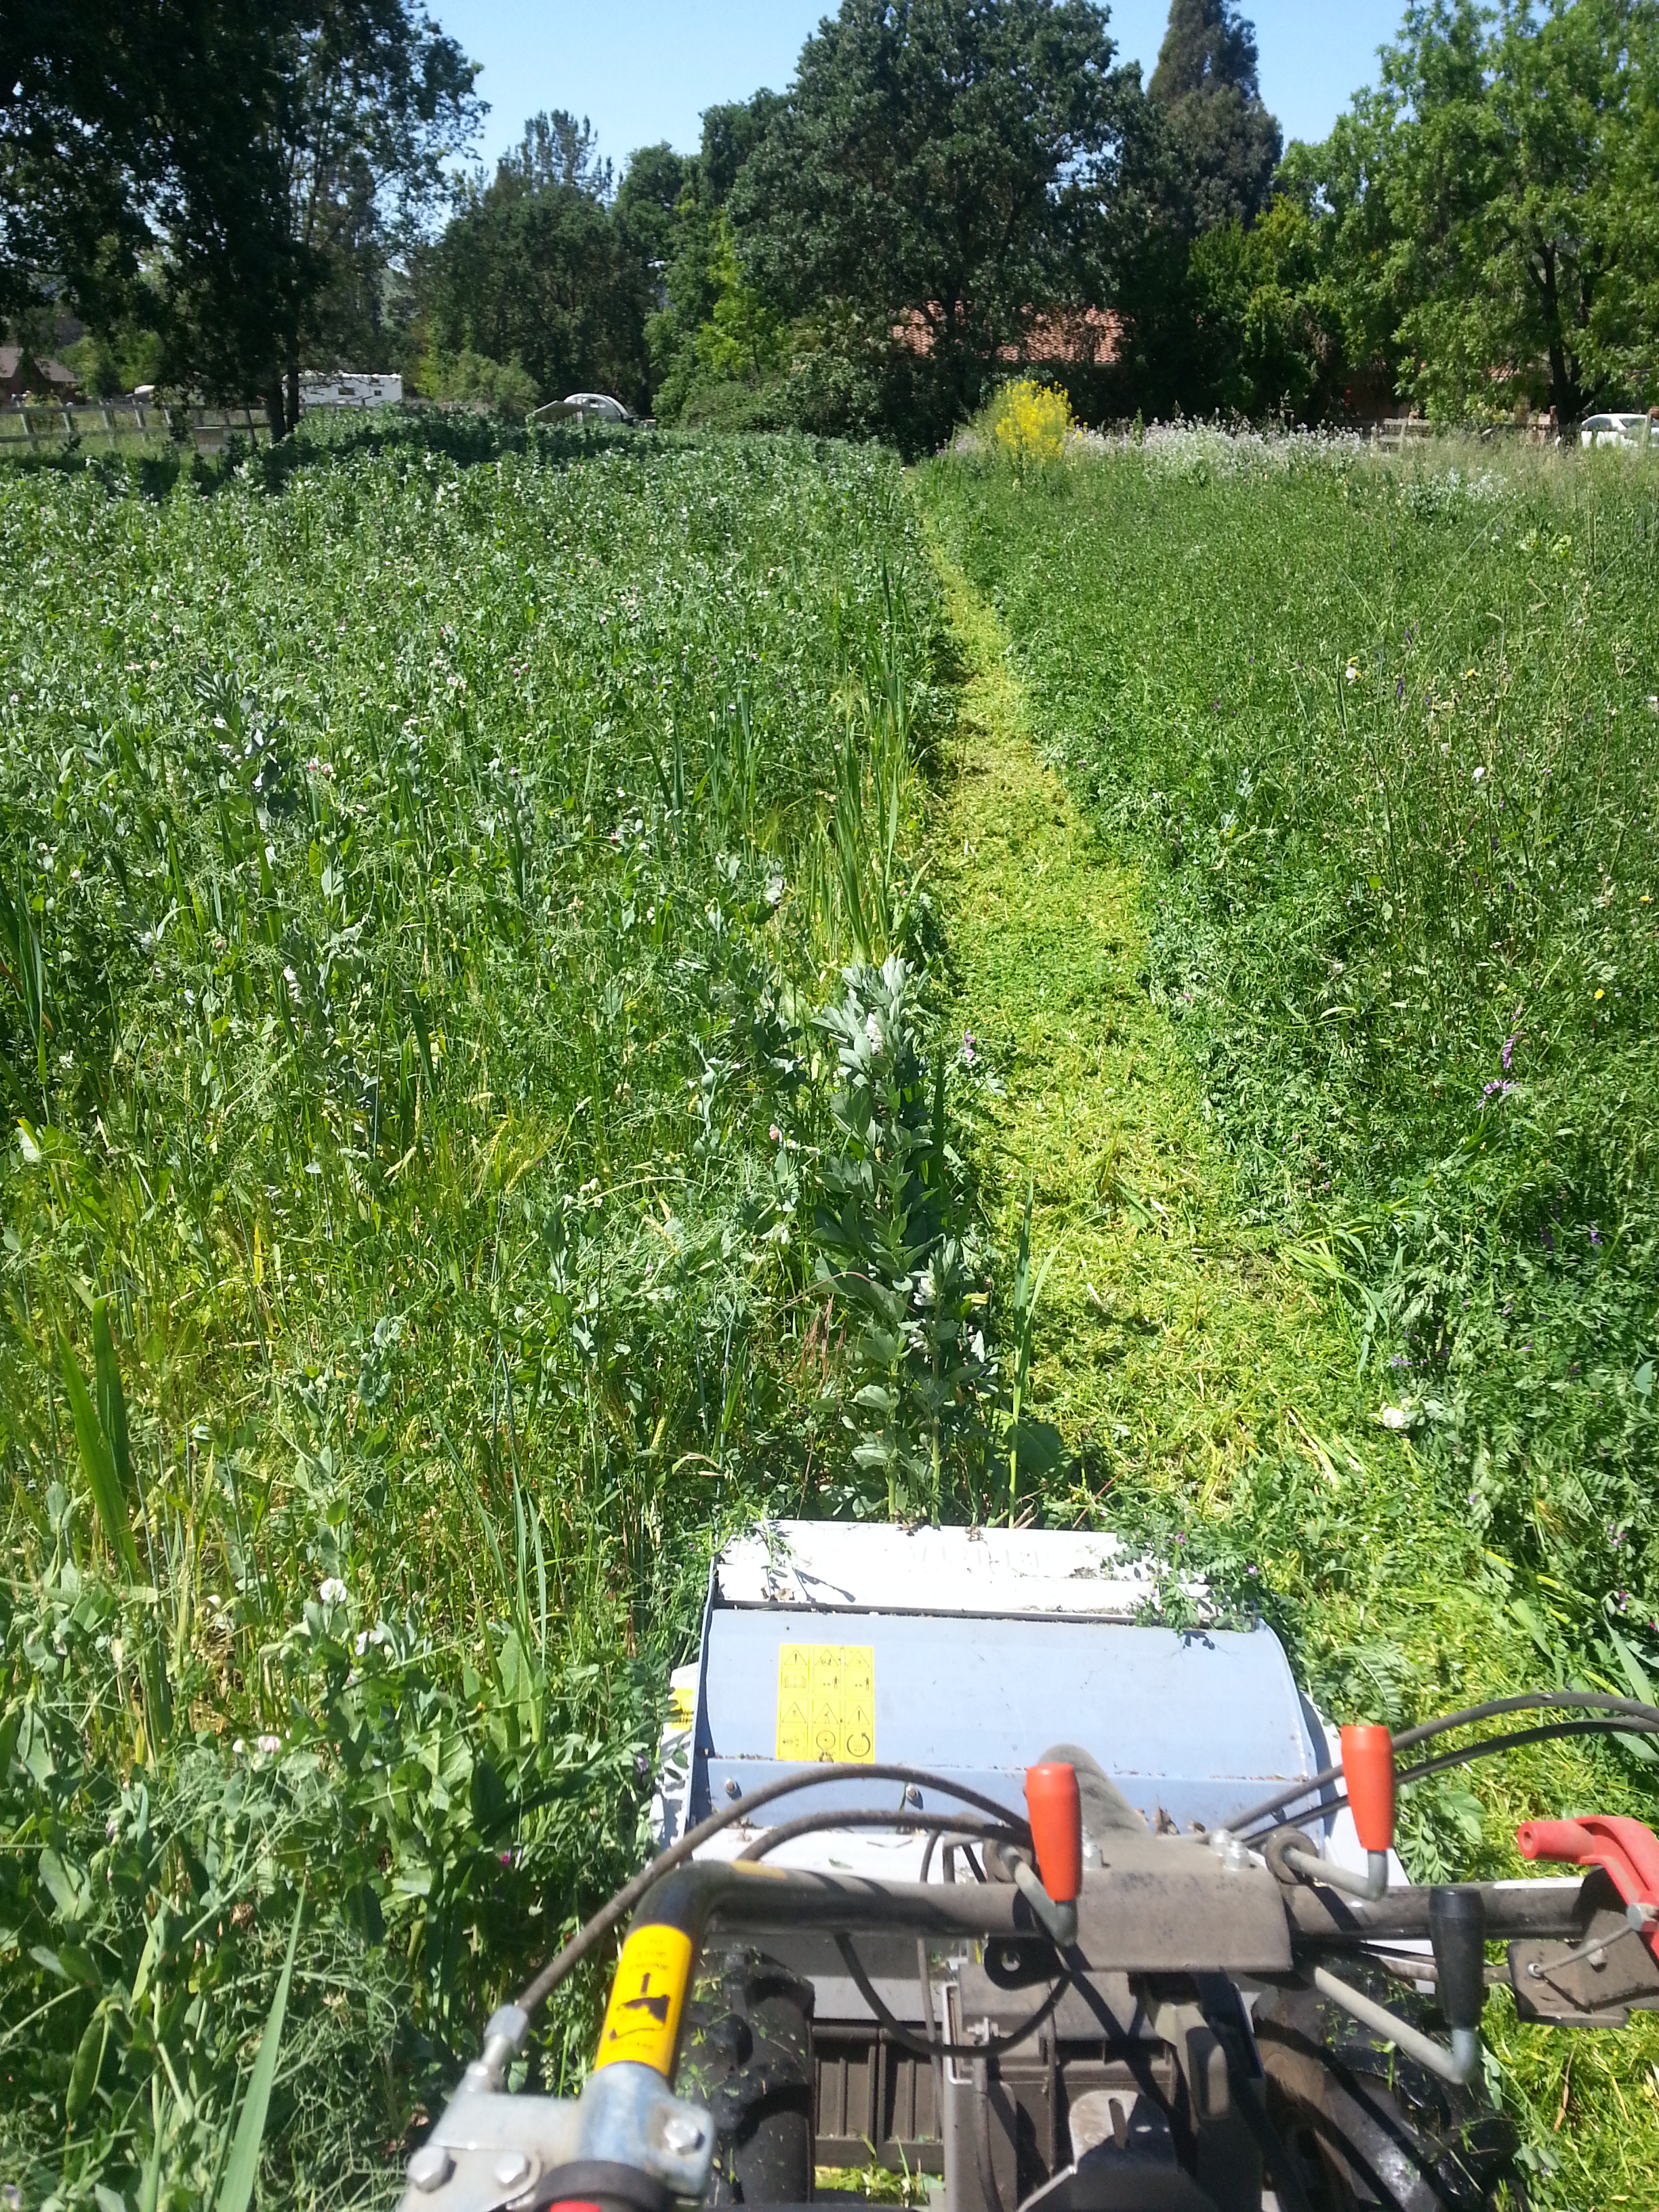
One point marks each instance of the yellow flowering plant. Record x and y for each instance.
(1029, 423)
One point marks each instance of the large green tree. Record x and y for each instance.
(1476, 209)
(1623, 325)
(537, 271)
(644, 208)
(243, 177)
(1258, 342)
(712, 328)
(941, 175)
(77, 97)
(1227, 145)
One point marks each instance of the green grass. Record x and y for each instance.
(424, 856)
(1225, 931)
(467, 1151)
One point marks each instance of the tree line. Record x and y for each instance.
(948, 192)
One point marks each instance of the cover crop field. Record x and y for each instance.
(422, 868)
(539, 978)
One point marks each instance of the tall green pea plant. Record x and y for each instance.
(896, 1251)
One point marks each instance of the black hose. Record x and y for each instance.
(595, 1930)
(1525, 1701)
(935, 1824)
(1486, 1748)
(982, 2159)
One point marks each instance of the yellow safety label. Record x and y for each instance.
(642, 2020)
(682, 1704)
(827, 1701)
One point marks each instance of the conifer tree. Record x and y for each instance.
(1226, 144)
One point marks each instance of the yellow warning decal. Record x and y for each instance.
(642, 2020)
(682, 1704)
(827, 1701)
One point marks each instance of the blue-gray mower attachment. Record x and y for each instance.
(969, 1866)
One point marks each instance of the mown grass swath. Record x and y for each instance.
(424, 871)
(1384, 741)
(1391, 739)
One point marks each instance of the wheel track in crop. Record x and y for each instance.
(1169, 1337)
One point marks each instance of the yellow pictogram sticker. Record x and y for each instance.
(642, 2020)
(827, 1701)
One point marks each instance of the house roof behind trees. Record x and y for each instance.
(42, 371)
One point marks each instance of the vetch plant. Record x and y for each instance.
(896, 1250)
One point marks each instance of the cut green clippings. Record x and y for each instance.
(1386, 743)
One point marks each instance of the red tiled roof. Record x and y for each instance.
(1077, 336)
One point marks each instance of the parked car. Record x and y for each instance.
(1616, 430)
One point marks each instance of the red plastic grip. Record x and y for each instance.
(1368, 1770)
(1056, 1815)
(1628, 1850)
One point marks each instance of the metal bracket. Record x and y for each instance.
(1058, 1920)
(1369, 1886)
(1456, 2065)
(1598, 1982)
(489, 2149)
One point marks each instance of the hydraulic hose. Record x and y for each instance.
(1640, 1718)
(594, 1932)
(1467, 1754)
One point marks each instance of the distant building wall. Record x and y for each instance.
(1076, 338)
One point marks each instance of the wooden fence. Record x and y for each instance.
(1394, 434)
(25, 426)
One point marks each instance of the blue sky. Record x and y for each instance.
(646, 71)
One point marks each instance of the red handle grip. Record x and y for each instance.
(1368, 1770)
(1628, 1850)
(1056, 1815)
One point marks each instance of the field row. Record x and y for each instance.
(424, 886)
